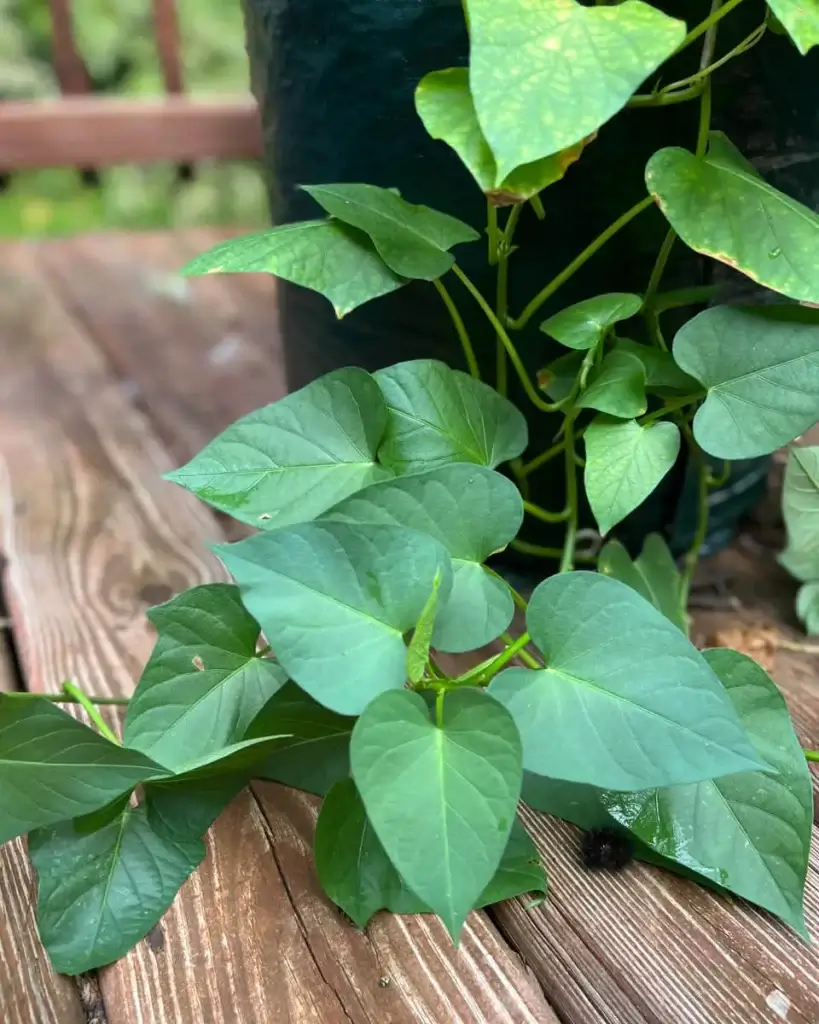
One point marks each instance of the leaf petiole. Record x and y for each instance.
(70, 690)
(460, 328)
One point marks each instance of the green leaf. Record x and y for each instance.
(316, 754)
(203, 683)
(625, 698)
(801, 19)
(800, 510)
(761, 370)
(546, 73)
(473, 512)
(441, 800)
(291, 460)
(807, 607)
(414, 241)
(444, 104)
(654, 575)
(749, 832)
(586, 323)
(238, 757)
(721, 207)
(618, 388)
(53, 767)
(580, 804)
(662, 373)
(328, 257)
(439, 415)
(418, 647)
(624, 463)
(99, 894)
(335, 601)
(558, 378)
(358, 876)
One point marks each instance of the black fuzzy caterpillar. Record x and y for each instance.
(606, 849)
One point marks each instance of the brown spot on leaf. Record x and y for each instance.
(198, 664)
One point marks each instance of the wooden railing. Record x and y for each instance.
(81, 129)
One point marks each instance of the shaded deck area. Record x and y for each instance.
(113, 370)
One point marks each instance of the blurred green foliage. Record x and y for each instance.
(116, 39)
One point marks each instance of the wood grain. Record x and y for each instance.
(91, 536)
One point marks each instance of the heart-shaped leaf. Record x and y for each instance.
(749, 832)
(721, 207)
(654, 575)
(618, 388)
(444, 103)
(546, 73)
(204, 682)
(624, 463)
(439, 415)
(761, 368)
(662, 373)
(331, 258)
(358, 876)
(584, 324)
(53, 767)
(99, 894)
(291, 460)
(625, 696)
(441, 798)
(473, 512)
(335, 601)
(238, 757)
(414, 241)
(317, 753)
(801, 19)
(800, 510)
(559, 377)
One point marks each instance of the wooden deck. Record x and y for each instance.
(114, 370)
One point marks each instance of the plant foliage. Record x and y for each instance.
(379, 501)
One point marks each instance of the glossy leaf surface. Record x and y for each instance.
(545, 74)
(760, 366)
(331, 258)
(473, 512)
(413, 241)
(800, 510)
(441, 799)
(625, 697)
(624, 463)
(801, 19)
(203, 683)
(291, 460)
(617, 388)
(439, 415)
(335, 601)
(750, 832)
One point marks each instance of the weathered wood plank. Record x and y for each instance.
(91, 536)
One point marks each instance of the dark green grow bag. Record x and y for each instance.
(335, 80)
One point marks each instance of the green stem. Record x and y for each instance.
(659, 268)
(666, 99)
(598, 243)
(567, 558)
(537, 206)
(520, 601)
(264, 651)
(524, 655)
(718, 481)
(500, 660)
(525, 548)
(493, 233)
(712, 20)
(70, 690)
(502, 298)
(545, 516)
(439, 708)
(542, 459)
(684, 297)
(692, 557)
(678, 403)
(508, 344)
(61, 698)
(812, 755)
(460, 327)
